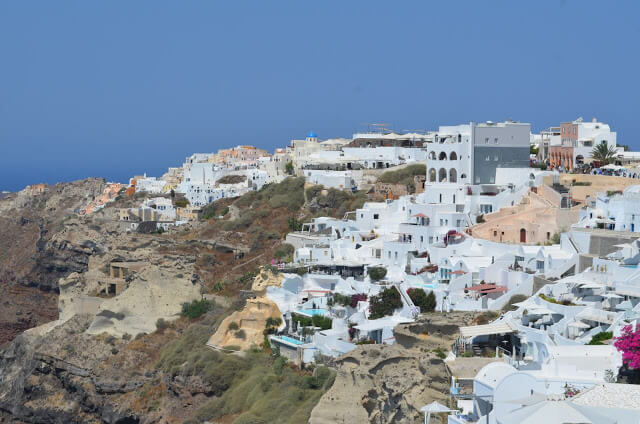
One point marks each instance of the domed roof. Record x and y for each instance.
(312, 135)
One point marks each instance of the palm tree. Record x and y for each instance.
(603, 153)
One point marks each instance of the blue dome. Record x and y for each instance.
(312, 135)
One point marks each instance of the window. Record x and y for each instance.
(389, 254)
(492, 180)
(375, 216)
(495, 234)
(495, 158)
(440, 197)
(486, 208)
(477, 180)
(488, 158)
(486, 140)
(495, 140)
(430, 240)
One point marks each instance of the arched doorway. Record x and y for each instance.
(442, 175)
(453, 175)
(453, 156)
(442, 156)
(523, 235)
(432, 175)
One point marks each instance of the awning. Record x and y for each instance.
(596, 315)
(500, 289)
(591, 286)
(486, 329)
(628, 291)
(540, 310)
(421, 215)
(578, 324)
(481, 287)
(487, 288)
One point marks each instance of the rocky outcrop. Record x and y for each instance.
(245, 328)
(32, 258)
(265, 279)
(56, 378)
(383, 384)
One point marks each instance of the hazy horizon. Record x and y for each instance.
(115, 89)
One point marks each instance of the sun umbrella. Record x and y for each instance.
(434, 408)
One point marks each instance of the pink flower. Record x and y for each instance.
(629, 344)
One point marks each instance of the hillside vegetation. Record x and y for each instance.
(257, 388)
(403, 176)
(257, 223)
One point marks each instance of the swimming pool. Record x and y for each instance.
(430, 286)
(291, 340)
(312, 312)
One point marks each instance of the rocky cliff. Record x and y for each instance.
(32, 261)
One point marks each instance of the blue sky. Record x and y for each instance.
(116, 88)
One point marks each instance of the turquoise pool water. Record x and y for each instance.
(290, 340)
(312, 312)
(430, 286)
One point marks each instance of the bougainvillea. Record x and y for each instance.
(629, 344)
(355, 298)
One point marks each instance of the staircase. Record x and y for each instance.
(405, 298)
(476, 350)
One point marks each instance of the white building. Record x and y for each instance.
(150, 185)
(163, 205)
(471, 153)
(619, 212)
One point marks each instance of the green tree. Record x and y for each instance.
(377, 272)
(289, 168)
(603, 153)
(384, 303)
(196, 308)
(426, 302)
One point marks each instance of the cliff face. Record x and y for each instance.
(32, 262)
(66, 376)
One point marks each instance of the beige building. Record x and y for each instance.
(534, 221)
(118, 272)
(138, 214)
(544, 211)
(189, 213)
